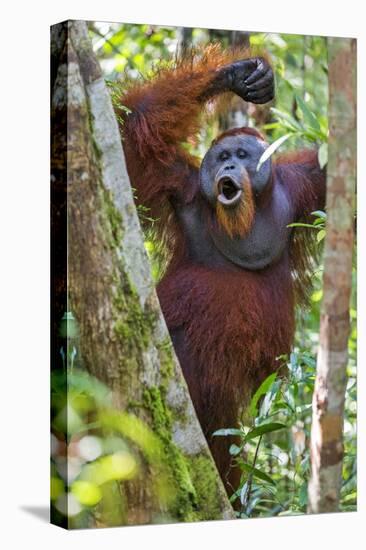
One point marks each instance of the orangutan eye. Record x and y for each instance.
(224, 155)
(241, 153)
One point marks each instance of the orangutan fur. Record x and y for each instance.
(229, 324)
(236, 222)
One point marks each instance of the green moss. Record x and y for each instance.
(185, 501)
(195, 479)
(119, 299)
(205, 477)
(114, 219)
(134, 404)
(165, 350)
(134, 325)
(122, 329)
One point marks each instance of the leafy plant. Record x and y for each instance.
(95, 448)
(273, 453)
(306, 127)
(318, 224)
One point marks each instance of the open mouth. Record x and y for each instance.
(229, 192)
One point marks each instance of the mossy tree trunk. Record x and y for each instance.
(123, 337)
(331, 379)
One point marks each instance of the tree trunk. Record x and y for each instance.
(331, 379)
(123, 337)
(185, 41)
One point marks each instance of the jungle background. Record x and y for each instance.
(275, 432)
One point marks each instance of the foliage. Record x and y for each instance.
(308, 127)
(131, 49)
(318, 224)
(96, 449)
(274, 443)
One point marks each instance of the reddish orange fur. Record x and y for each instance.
(237, 222)
(236, 321)
(238, 132)
(305, 183)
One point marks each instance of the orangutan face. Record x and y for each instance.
(230, 181)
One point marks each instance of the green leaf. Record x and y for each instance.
(264, 428)
(290, 512)
(263, 388)
(86, 492)
(308, 115)
(271, 149)
(350, 497)
(269, 398)
(323, 155)
(57, 487)
(228, 431)
(285, 117)
(243, 491)
(309, 361)
(301, 409)
(319, 214)
(283, 406)
(255, 472)
(313, 135)
(271, 126)
(301, 225)
(320, 236)
(289, 395)
(234, 450)
(133, 428)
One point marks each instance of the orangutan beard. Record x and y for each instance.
(237, 221)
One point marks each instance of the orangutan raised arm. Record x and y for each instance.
(165, 112)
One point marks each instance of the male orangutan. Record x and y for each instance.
(235, 269)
